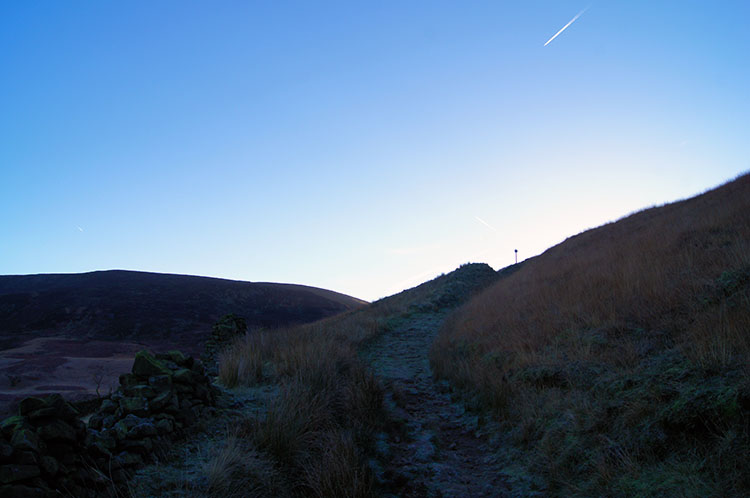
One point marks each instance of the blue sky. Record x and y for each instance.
(358, 146)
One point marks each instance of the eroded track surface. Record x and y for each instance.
(439, 450)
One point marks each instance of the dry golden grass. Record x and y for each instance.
(655, 269)
(327, 405)
(581, 332)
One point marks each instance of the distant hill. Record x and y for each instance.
(150, 307)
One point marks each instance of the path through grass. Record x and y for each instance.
(434, 447)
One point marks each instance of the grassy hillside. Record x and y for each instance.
(319, 428)
(617, 361)
(141, 306)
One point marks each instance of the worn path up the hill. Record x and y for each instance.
(439, 450)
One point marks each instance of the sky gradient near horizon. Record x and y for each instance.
(359, 147)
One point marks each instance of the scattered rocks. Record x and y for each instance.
(46, 449)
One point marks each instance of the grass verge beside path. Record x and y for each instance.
(319, 429)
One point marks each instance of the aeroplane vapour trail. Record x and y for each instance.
(480, 220)
(566, 26)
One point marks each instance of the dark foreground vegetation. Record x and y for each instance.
(617, 362)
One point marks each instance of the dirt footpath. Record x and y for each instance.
(441, 450)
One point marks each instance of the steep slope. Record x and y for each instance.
(617, 361)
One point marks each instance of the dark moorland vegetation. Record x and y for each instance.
(150, 307)
(617, 362)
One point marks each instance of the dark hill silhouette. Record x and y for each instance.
(147, 307)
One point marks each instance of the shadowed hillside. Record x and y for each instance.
(617, 361)
(139, 306)
(76, 333)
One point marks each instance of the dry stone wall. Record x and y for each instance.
(222, 334)
(47, 450)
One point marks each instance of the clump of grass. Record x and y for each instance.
(335, 464)
(318, 426)
(619, 348)
(337, 402)
(319, 429)
(241, 363)
(292, 422)
(237, 470)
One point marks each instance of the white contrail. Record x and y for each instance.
(566, 26)
(480, 220)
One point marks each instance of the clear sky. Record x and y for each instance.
(362, 147)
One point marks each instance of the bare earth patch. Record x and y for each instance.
(59, 364)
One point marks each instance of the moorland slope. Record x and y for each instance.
(76, 333)
(142, 306)
(617, 361)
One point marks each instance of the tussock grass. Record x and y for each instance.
(236, 470)
(332, 473)
(319, 429)
(619, 347)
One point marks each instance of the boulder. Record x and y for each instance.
(203, 393)
(128, 380)
(13, 472)
(142, 446)
(64, 410)
(161, 401)
(127, 459)
(28, 405)
(25, 439)
(137, 406)
(26, 458)
(47, 412)
(108, 406)
(20, 491)
(140, 391)
(108, 421)
(57, 431)
(179, 358)
(49, 466)
(146, 365)
(142, 430)
(11, 424)
(164, 426)
(198, 368)
(6, 451)
(160, 383)
(184, 388)
(95, 421)
(187, 377)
